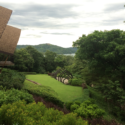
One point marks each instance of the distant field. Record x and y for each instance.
(65, 92)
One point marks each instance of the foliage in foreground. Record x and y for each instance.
(36, 114)
(87, 109)
(44, 91)
(14, 95)
(12, 79)
(113, 93)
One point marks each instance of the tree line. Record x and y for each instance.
(30, 60)
(57, 49)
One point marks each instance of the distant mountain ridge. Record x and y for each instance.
(44, 47)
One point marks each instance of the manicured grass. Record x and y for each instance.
(65, 92)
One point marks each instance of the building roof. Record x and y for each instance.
(9, 40)
(4, 18)
(9, 35)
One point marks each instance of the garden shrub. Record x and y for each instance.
(52, 115)
(36, 114)
(88, 109)
(76, 82)
(77, 102)
(74, 107)
(58, 67)
(12, 79)
(36, 111)
(71, 119)
(77, 76)
(14, 95)
(12, 114)
(68, 104)
(44, 91)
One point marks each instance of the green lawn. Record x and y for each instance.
(65, 92)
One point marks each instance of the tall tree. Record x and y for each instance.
(49, 61)
(105, 53)
(60, 60)
(22, 60)
(69, 60)
(39, 60)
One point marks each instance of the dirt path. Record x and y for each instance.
(34, 82)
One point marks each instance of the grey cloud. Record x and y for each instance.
(35, 16)
(44, 11)
(32, 35)
(113, 21)
(57, 33)
(114, 7)
(24, 28)
(42, 24)
(38, 11)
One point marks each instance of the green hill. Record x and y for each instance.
(57, 49)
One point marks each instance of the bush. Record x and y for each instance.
(44, 91)
(77, 76)
(12, 79)
(36, 114)
(58, 67)
(76, 82)
(52, 115)
(89, 110)
(68, 105)
(71, 119)
(14, 95)
(77, 102)
(74, 107)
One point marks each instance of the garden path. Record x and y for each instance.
(34, 82)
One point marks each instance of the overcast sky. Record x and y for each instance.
(62, 22)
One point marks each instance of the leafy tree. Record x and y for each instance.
(60, 60)
(77, 66)
(49, 61)
(69, 60)
(22, 60)
(105, 53)
(39, 60)
(57, 49)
